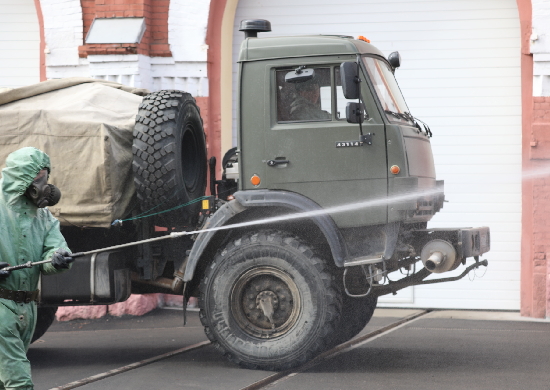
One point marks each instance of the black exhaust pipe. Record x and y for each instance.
(252, 27)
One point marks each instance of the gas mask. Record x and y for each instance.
(41, 193)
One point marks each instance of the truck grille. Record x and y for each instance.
(425, 207)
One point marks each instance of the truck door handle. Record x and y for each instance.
(272, 163)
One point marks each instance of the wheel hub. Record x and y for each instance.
(265, 302)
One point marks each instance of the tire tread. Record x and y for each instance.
(332, 296)
(155, 153)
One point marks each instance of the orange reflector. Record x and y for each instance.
(362, 38)
(395, 169)
(206, 204)
(255, 180)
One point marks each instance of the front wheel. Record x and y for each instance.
(268, 302)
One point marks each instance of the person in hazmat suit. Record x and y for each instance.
(28, 232)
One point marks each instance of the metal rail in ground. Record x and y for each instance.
(353, 343)
(261, 384)
(120, 370)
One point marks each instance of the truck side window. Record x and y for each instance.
(341, 101)
(306, 101)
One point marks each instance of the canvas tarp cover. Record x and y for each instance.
(86, 129)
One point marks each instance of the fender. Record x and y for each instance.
(266, 198)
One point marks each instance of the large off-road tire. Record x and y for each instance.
(356, 314)
(169, 156)
(44, 319)
(277, 271)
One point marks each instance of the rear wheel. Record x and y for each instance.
(356, 314)
(44, 319)
(357, 310)
(169, 157)
(268, 302)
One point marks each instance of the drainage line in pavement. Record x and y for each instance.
(129, 367)
(261, 384)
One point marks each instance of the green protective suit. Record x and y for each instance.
(26, 233)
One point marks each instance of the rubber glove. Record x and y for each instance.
(61, 259)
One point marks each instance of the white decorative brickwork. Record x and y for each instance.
(184, 75)
(187, 24)
(186, 70)
(63, 29)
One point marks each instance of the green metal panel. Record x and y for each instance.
(255, 49)
(319, 170)
(411, 152)
(252, 110)
(419, 153)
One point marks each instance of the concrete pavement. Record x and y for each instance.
(439, 350)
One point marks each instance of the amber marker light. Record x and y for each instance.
(395, 169)
(362, 38)
(255, 180)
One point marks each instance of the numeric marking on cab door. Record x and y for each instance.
(348, 144)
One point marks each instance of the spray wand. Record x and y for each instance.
(299, 215)
(30, 264)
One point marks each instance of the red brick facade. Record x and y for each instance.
(155, 40)
(202, 102)
(540, 161)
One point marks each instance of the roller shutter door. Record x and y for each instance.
(19, 44)
(461, 74)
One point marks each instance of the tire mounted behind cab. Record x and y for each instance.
(169, 162)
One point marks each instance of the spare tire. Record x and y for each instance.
(169, 161)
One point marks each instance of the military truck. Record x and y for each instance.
(319, 210)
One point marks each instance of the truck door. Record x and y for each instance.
(310, 148)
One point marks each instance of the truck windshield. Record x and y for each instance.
(387, 90)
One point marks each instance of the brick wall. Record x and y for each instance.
(155, 40)
(540, 163)
(202, 102)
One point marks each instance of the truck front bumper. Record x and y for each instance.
(461, 243)
(468, 242)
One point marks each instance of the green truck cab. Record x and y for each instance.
(329, 159)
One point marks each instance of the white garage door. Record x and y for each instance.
(19, 44)
(460, 73)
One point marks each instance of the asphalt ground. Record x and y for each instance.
(436, 350)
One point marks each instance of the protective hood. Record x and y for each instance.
(22, 166)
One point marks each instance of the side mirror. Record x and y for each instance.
(395, 59)
(300, 75)
(355, 112)
(350, 80)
